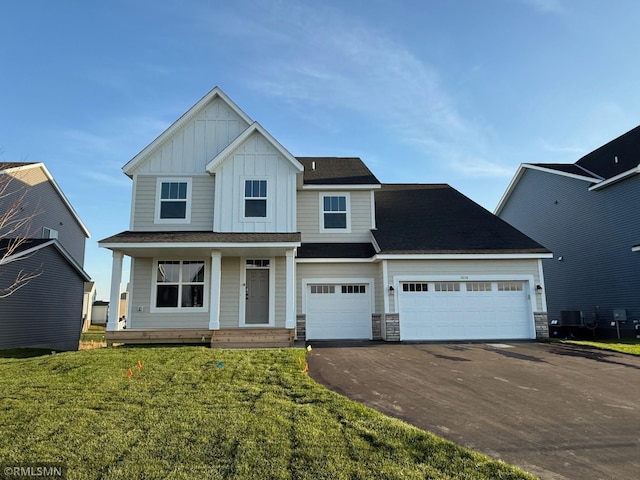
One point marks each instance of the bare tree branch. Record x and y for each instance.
(16, 220)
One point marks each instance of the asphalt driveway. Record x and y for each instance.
(557, 411)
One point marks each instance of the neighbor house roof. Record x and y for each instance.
(437, 219)
(32, 246)
(618, 156)
(14, 167)
(336, 171)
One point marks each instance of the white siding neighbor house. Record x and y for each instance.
(236, 242)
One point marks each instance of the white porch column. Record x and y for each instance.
(290, 295)
(114, 300)
(216, 267)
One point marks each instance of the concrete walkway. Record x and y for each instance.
(557, 411)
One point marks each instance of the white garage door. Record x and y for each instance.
(465, 310)
(338, 311)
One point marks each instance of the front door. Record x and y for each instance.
(257, 297)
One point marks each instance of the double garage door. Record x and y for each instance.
(338, 311)
(464, 310)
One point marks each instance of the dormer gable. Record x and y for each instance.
(190, 142)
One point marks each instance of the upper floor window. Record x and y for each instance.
(49, 233)
(335, 212)
(255, 198)
(173, 200)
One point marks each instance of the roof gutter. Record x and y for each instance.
(617, 178)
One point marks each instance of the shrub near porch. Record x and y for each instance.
(193, 412)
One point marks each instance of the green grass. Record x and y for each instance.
(95, 333)
(630, 346)
(193, 412)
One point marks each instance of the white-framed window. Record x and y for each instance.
(415, 287)
(180, 284)
(49, 233)
(255, 198)
(478, 286)
(510, 286)
(335, 212)
(354, 289)
(320, 289)
(173, 200)
(446, 286)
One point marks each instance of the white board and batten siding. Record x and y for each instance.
(190, 148)
(255, 159)
(309, 218)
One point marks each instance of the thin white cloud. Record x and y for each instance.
(545, 6)
(331, 62)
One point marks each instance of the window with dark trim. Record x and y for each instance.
(180, 284)
(173, 200)
(334, 209)
(255, 198)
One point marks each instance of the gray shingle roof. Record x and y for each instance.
(336, 171)
(436, 218)
(201, 237)
(336, 250)
(617, 156)
(568, 168)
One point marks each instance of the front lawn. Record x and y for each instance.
(196, 413)
(95, 333)
(631, 345)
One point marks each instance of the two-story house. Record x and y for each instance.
(586, 213)
(234, 239)
(42, 247)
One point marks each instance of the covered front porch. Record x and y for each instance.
(237, 291)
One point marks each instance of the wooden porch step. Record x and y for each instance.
(182, 335)
(253, 338)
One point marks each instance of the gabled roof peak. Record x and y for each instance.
(216, 92)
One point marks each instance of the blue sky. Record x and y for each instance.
(431, 91)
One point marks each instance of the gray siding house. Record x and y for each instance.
(586, 213)
(46, 311)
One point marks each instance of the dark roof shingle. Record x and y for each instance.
(568, 168)
(617, 156)
(336, 250)
(436, 218)
(336, 171)
(201, 237)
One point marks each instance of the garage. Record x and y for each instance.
(338, 311)
(465, 310)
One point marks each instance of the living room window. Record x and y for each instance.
(255, 198)
(173, 203)
(180, 284)
(335, 212)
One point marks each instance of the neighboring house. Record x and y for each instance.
(231, 235)
(587, 214)
(99, 312)
(47, 311)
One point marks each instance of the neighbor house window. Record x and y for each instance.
(335, 214)
(255, 198)
(173, 200)
(180, 284)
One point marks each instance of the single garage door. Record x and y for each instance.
(465, 310)
(338, 311)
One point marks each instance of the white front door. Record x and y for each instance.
(465, 310)
(338, 311)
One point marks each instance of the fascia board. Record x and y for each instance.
(509, 190)
(187, 245)
(336, 260)
(180, 122)
(617, 178)
(254, 127)
(462, 256)
(341, 187)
